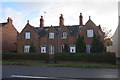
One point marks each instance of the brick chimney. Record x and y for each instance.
(41, 22)
(61, 20)
(80, 19)
(9, 20)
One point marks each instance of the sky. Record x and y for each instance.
(102, 12)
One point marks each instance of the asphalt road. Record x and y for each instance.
(53, 73)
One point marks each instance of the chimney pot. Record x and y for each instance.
(89, 17)
(61, 20)
(41, 22)
(81, 19)
(9, 20)
(27, 21)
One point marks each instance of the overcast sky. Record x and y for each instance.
(103, 12)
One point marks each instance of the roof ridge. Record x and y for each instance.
(3, 24)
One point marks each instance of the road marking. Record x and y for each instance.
(36, 77)
(20, 76)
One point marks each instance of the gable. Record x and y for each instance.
(90, 24)
(27, 28)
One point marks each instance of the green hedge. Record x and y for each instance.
(92, 57)
(24, 56)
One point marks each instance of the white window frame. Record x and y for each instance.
(72, 49)
(51, 35)
(64, 35)
(27, 35)
(62, 47)
(26, 48)
(88, 48)
(51, 49)
(43, 49)
(90, 33)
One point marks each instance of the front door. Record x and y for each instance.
(51, 49)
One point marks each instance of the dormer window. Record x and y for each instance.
(64, 35)
(27, 35)
(90, 33)
(51, 35)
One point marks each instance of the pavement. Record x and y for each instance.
(11, 72)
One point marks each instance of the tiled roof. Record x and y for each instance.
(42, 32)
(72, 30)
(3, 24)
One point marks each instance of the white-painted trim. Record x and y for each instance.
(72, 49)
(43, 48)
(27, 35)
(26, 48)
(90, 33)
(51, 35)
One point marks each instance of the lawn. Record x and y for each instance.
(61, 64)
(82, 60)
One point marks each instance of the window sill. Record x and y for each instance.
(64, 38)
(89, 37)
(51, 38)
(27, 39)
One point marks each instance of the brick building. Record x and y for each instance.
(51, 39)
(8, 36)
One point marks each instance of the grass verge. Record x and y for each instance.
(66, 64)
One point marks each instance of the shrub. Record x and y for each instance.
(92, 57)
(24, 56)
(65, 47)
(97, 44)
(80, 44)
(32, 48)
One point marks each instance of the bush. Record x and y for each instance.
(80, 44)
(24, 56)
(92, 57)
(32, 48)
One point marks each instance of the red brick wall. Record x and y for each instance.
(9, 40)
(96, 30)
(72, 40)
(22, 41)
(57, 41)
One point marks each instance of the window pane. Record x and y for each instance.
(64, 35)
(88, 47)
(27, 35)
(43, 49)
(26, 48)
(72, 49)
(90, 33)
(62, 48)
(51, 49)
(51, 35)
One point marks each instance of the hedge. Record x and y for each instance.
(92, 57)
(24, 56)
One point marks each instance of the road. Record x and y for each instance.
(10, 71)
